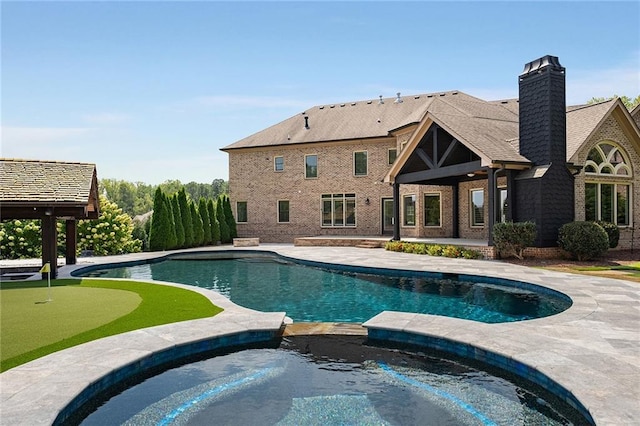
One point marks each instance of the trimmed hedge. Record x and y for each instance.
(433, 249)
(583, 240)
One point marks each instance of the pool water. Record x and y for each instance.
(329, 380)
(313, 294)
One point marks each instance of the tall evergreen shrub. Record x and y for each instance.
(215, 225)
(198, 229)
(175, 207)
(159, 232)
(187, 222)
(231, 221)
(225, 232)
(206, 222)
(172, 241)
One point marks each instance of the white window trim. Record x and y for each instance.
(274, 164)
(317, 166)
(354, 163)
(278, 211)
(615, 184)
(424, 208)
(415, 211)
(484, 201)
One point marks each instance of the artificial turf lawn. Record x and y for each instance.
(85, 310)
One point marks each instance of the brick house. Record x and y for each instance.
(442, 165)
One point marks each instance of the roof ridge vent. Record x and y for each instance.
(398, 99)
(380, 102)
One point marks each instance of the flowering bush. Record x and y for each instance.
(20, 239)
(111, 233)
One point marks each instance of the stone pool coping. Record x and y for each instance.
(592, 349)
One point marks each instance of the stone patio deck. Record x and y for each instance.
(592, 349)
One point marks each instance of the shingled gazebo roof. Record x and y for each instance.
(30, 189)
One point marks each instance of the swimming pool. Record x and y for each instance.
(331, 380)
(313, 292)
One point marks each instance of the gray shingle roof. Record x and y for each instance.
(581, 121)
(45, 181)
(484, 126)
(490, 128)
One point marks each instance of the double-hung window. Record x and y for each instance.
(409, 206)
(241, 211)
(311, 166)
(432, 210)
(360, 163)
(392, 155)
(477, 207)
(283, 211)
(339, 210)
(278, 164)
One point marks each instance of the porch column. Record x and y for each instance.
(72, 241)
(491, 203)
(511, 186)
(50, 245)
(455, 212)
(396, 211)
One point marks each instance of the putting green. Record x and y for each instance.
(29, 321)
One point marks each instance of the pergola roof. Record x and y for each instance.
(30, 189)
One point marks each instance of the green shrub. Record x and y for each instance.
(432, 249)
(393, 245)
(613, 232)
(511, 239)
(452, 251)
(215, 225)
(435, 250)
(583, 240)
(225, 232)
(20, 239)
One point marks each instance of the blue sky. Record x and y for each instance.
(151, 91)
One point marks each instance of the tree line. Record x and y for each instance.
(137, 198)
(180, 222)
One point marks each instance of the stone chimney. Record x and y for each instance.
(544, 194)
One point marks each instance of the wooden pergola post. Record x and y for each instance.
(72, 241)
(50, 246)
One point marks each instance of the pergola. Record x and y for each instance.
(48, 191)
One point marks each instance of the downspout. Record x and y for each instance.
(396, 211)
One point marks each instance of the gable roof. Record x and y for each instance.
(584, 120)
(488, 128)
(33, 184)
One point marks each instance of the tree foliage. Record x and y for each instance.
(225, 232)
(630, 103)
(110, 234)
(187, 222)
(198, 228)
(228, 214)
(206, 222)
(136, 198)
(177, 217)
(20, 239)
(160, 223)
(215, 225)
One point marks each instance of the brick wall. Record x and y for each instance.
(612, 131)
(252, 179)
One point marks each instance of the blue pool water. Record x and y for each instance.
(309, 293)
(331, 380)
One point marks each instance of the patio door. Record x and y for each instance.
(387, 216)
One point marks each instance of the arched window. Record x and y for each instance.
(608, 184)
